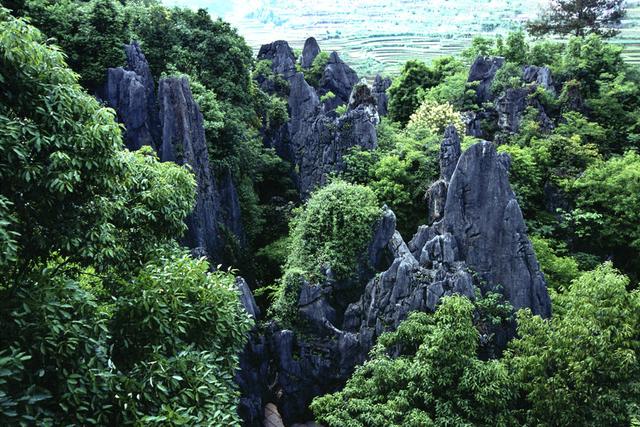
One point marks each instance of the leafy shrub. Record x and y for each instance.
(179, 329)
(54, 341)
(314, 74)
(435, 118)
(327, 96)
(509, 76)
(559, 271)
(56, 159)
(399, 171)
(406, 91)
(581, 367)
(333, 229)
(516, 49)
(94, 333)
(435, 380)
(285, 306)
(608, 196)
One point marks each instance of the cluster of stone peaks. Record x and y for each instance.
(172, 124)
(316, 138)
(476, 240)
(474, 237)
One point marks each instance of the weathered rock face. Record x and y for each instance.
(379, 92)
(338, 78)
(130, 92)
(483, 71)
(283, 61)
(436, 195)
(319, 140)
(137, 63)
(183, 141)
(484, 217)
(303, 110)
(329, 139)
(315, 138)
(450, 151)
(173, 125)
(511, 106)
(540, 76)
(310, 50)
(231, 215)
(508, 108)
(478, 241)
(436, 198)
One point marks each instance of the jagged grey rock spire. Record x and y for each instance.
(130, 92)
(310, 50)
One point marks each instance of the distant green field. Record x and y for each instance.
(379, 36)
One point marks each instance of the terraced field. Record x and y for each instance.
(379, 36)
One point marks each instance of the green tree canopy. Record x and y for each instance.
(333, 229)
(105, 320)
(579, 17)
(436, 379)
(581, 367)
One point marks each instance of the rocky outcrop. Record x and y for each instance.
(303, 110)
(483, 215)
(478, 242)
(379, 92)
(231, 215)
(173, 125)
(130, 92)
(283, 61)
(316, 138)
(541, 76)
(450, 151)
(329, 138)
(436, 195)
(482, 72)
(511, 106)
(183, 141)
(339, 79)
(310, 50)
(319, 140)
(503, 112)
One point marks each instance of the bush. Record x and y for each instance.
(607, 215)
(327, 96)
(509, 76)
(436, 379)
(332, 230)
(55, 160)
(581, 366)
(177, 330)
(314, 74)
(54, 341)
(559, 271)
(435, 118)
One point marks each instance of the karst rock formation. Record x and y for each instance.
(474, 239)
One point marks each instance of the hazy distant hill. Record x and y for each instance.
(378, 36)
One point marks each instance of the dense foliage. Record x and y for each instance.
(106, 321)
(333, 229)
(578, 368)
(405, 92)
(425, 373)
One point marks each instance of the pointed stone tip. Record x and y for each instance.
(450, 151)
